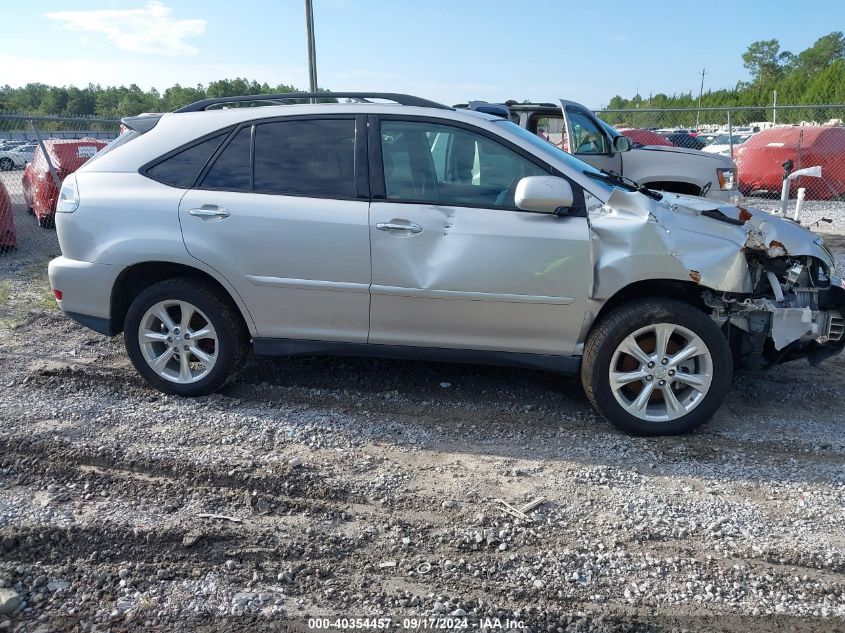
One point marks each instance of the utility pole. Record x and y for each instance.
(700, 92)
(312, 55)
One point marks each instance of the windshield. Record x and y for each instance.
(546, 147)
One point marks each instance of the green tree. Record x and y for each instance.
(765, 61)
(825, 51)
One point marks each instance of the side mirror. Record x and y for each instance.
(546, 194)
(621, 143)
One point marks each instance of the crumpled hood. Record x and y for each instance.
(776, 235)
(687, 239)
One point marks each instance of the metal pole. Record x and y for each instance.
(774, 107)
(730, 135)
(312, 55)
(53, 172)
(700, 92)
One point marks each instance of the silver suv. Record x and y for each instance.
(411, 229)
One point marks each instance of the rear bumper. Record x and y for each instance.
(86, 291)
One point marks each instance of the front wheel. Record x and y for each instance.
(657, 367)
(184, 338)
(6, 164)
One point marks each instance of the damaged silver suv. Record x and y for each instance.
(410, 229)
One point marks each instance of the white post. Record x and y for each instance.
(801, 193)
(784, 196)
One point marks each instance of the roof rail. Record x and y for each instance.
(287, 97)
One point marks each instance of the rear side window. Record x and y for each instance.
(231, 170)
(182, 169)
(306, 157)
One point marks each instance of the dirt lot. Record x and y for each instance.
(364, 487)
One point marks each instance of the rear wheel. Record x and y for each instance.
(657, 367)
(6, 164)
(46, 222)
(184, 338)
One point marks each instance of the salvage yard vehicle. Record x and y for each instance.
(643, 137)
(761, 159)
(15, 157)
(8, 235)
(574, 128)
(415, 230)
(39, 188)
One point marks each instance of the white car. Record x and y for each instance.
(575, 129)
(722, 143)
(16, 157)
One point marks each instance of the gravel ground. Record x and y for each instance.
(366, 487)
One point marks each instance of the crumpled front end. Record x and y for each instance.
(768, 282)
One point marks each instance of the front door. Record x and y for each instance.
(455, 263)
(278, 214)
(586, 139)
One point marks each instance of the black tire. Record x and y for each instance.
(47, 222)
(6, 164)
(609, 333)
(232, 335)
(30, 211)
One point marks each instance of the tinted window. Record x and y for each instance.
(182, 169)
(306, 157)
(231, 169)
(446, 165)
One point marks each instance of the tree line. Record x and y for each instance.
(118, 101)
(813, 76)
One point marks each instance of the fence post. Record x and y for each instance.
(55, 175)
(730, 134)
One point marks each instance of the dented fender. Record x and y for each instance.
(686, 239)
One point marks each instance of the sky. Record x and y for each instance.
(449, 51)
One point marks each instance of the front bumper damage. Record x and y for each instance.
(768, 282)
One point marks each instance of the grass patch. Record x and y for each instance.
(5, 293)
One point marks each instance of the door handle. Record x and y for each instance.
(410, 227)
(209, 211)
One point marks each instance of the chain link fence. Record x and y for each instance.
(36, 153)
(767, 144)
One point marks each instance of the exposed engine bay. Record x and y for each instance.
(792, 303)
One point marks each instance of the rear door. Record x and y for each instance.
(586, 139)
(280, 213)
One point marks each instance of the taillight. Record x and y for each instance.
(68, 196)
(57, 294)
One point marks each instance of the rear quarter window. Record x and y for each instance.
(181, 169)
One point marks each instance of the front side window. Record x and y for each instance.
(439, 164)
(587, 138)
(550, 128)
(306, 157)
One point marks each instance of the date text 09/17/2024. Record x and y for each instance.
(415, 623)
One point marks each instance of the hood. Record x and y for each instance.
(683, 150)
(778, 236)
